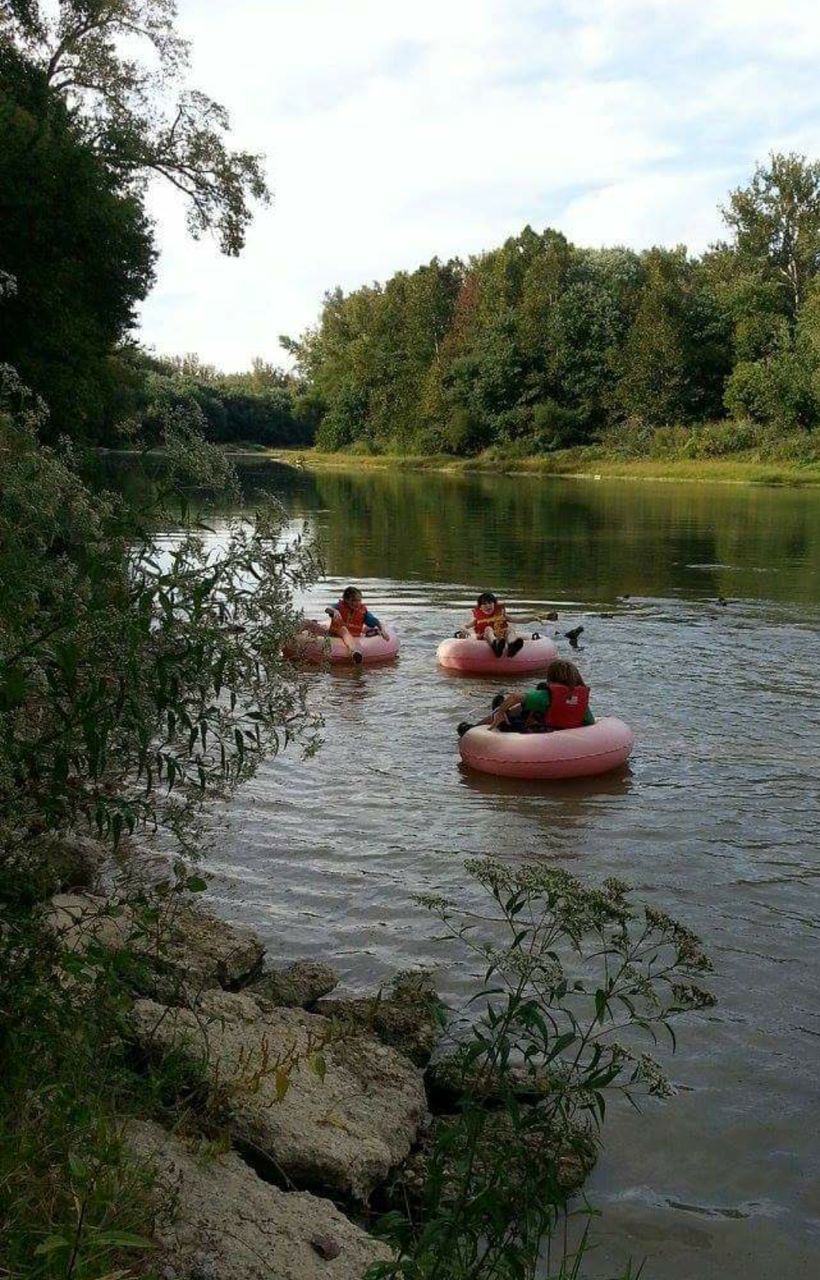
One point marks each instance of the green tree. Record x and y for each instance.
(677, 353)
(78, 246)
(776, 225)
(115, 63)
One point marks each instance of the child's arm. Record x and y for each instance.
(511, 701)
(370, 620)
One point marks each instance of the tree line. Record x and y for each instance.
(540, 344)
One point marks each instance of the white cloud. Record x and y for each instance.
(398, 131)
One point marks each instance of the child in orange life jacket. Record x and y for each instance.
(490, 623)
(560, 702)
(349, 619)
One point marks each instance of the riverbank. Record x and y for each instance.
(203, 1112)
(587, 463)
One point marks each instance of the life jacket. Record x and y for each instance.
(568, 706)
(496, 620)
(352, 616)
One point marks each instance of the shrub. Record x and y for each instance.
(578, 984)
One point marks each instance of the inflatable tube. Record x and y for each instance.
(307, 648)
(567, 753)
(475, 657)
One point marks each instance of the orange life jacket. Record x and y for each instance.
(568, 706)
(353, 616)
(496, 620)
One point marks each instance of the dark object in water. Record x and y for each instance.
(464, 727)
(722, 600)
(606, 615)
(573, 635)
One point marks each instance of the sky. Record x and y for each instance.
(399, 130)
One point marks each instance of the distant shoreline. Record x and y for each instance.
(571, 464)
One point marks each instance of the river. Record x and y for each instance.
(716, 820)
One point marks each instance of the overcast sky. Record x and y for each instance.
(396, 130)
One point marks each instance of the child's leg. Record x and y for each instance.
(347, 640)
(515, 643)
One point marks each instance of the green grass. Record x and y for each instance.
(588, 462)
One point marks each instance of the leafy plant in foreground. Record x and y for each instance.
(137, 678)
(578, 985)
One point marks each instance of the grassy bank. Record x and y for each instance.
(589, 462)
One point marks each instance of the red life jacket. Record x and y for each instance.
(482, 620)
(352, 616)
(567, 706)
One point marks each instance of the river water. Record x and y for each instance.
(716, 820)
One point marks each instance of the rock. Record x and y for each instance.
(327, 1247)
(80, 921)
(183, 949)
(208, 951)
(339, 1119)
(408, 1017)
(300, 985)
(567, 1159)
(49, 864)
(450, 1078)
(219, 1221)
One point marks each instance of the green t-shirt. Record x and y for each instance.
(538, 701)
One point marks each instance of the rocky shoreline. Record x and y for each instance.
(301, 1106)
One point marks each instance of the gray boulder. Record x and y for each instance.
(208, 951)
(79, 921)
(330, 1113)
(298, 986)
(566, 1156)
(218, 1219)
(406, 1015)
(185, 949)
(49, 864)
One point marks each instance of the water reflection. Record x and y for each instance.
(572, 790)
(562, 541)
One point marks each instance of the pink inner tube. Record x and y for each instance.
(307, 648)
(475, 657)
(567, 753)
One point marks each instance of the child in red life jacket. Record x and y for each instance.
(490, 623)
(560, 702)
(349, 619)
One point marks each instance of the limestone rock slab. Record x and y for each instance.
(330, 1113)
(218, 1219)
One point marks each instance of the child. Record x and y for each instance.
(560, 702)
(490, 623)
(348, 619)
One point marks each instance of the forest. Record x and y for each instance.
(540, 344)
(524, 349)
